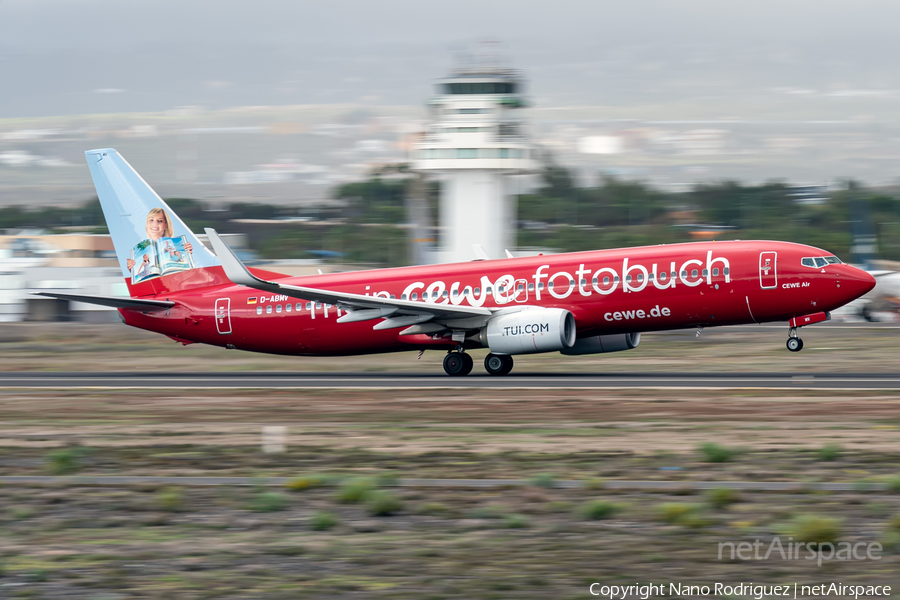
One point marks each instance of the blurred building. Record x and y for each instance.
(35, 261)
(474, 141)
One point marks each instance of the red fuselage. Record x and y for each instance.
(608, 291)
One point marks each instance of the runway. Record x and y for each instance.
(620, 484)
(533, 381)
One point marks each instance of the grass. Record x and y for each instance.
(722, 497)
(680, 513)
(894, 523)
(169, 499)
(814, 529)
(382, 504)
(829, 453)
(433, 508)
(65, 461)
(543, 480)
(269, 502)
(355, 490)
(323, 521)
(515, 522)
(598, 509)
(18, 513)
(715, 453)
(305, 482)
(893, 483)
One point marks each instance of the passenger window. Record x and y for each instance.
(287, 308)
(393, 297)
(541, 285)
(628, 279)
(309, 306)
(693, 272)
(299, 306)
(716, 272)
(640, 276)
(550, 285)
(606, 281)
(650, 277)
(478, 291)
(415, 296)
(403, 296)
(530, 287)
(444, 294)
(259, 310)
(318, 305)
(455, 293)
(705, 273)
(616, 279)
(278, 308)
(269, 309)
(684, 273)
(489, 290)
(521, 286)
(725, 271)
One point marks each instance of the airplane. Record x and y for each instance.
(575, 303)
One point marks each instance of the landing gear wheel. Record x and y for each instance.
(498, 364)
(794, 344)
(457, 364)
(469, 363)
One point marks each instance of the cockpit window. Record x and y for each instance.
(819, 261)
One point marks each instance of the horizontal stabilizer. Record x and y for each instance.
(112, 301)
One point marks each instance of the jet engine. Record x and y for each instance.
(529, 331)
(604, 343)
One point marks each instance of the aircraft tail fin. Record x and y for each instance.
(150, 240)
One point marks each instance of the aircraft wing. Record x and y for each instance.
(113, 301)
(398, 313)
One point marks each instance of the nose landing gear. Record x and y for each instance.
(794, 343)
(458, 364)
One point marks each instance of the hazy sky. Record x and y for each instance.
(77, 56)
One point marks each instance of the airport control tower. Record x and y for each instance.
(474, 140)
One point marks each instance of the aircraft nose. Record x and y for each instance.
(856, 282)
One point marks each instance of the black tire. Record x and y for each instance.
(469, 364)
(455, 364)
(498, 364)
(794, 344)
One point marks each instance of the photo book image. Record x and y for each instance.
(161, 257)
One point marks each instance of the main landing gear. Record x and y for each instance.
(794, 343)
(458, 364)
(498, 364)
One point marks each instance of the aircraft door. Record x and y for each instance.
(223, 316)
(768, 274)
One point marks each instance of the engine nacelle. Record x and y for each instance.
(529, 331)
(604, 343)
